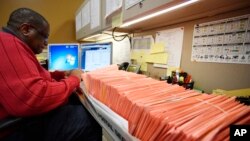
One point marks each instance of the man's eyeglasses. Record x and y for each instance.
(45, 37)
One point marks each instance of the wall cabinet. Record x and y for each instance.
(99, 13)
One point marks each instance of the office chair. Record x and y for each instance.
(9, 124)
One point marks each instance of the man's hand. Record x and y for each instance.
(75, 72)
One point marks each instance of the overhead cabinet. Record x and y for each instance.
(139, 8)
(88, 19)
(95, 16)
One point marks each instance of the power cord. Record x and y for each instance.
(118, 40)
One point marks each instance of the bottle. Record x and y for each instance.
(177, 75)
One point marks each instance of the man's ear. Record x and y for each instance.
(25, 29)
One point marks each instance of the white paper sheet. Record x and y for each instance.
(142, 42)
(222, 41)
(173, 40)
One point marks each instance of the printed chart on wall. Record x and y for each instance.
(172, 40)
(222, 41)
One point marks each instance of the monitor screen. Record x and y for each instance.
(63, 57)
(95, 55)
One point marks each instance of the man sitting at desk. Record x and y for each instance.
(29, 91)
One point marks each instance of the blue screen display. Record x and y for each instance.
(63, 56)
(94, 56)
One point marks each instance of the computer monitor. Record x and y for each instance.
(95, 55)
(63, 57)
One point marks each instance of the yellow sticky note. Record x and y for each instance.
(158, 58)
(144, 66)
(157, 48)
(139, 55)
(142, 56)
(148, 58)
(117, 20)
(135, 55)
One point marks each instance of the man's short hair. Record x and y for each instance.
(25, 15)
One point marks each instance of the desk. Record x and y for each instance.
(115, 125)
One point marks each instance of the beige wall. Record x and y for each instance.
(59, 13)
(209, 76)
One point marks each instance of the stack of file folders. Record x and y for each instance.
(159, 111)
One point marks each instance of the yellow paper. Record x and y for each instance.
(148, 58)
(144, 66)
(135, 55)
(157, 48)
(139, 55)
(117, 20)
(158, 58)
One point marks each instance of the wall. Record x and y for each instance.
(120, 50)
(209, 76)
(59, 13)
